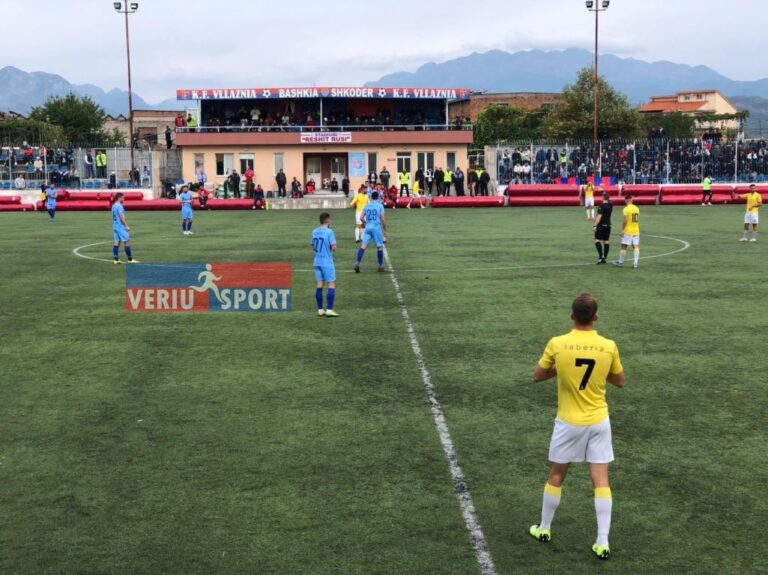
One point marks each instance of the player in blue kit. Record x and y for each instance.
(120, 231)
(324, 244)
(375, 230)
(185, 197)
(50, 201)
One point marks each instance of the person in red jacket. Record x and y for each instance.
(249, 182)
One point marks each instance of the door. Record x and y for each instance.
(339, 168)
(313, 170)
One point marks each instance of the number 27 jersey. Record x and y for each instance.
(583, 360)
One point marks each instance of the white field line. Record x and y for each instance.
(684, 246)
(476, 536)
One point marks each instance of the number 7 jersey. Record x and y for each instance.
(583, 360)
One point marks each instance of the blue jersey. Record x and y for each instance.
(186, 200)
(50, 195)
(322, 240)
(373, 213)
(117, 209)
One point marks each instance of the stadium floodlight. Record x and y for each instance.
(135, 5)
(606, 3)
(590, 4)
(128, 8)
(592, 7)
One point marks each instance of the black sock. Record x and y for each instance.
(606, 247)
(599, 248)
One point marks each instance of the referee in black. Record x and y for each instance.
(602, 228)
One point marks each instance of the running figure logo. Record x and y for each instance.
(209, 287)
(208, 279)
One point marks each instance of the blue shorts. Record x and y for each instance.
(326, 273)
(120, 234)
(373, 235)
(186, 213)
(51, 206)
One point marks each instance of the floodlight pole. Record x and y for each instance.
(596, 87)
(127, 8)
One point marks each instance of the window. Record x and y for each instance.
(246, 161)
(199, 163)
(404, 162)
(451, 160)
(224, 164)
(687, 97)
(425, 160)
(372, 164)
(279, 159)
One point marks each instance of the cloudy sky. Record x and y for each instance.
(250, 43)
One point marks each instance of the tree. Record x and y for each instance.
(80, 118)
(15, 131)
(572, 118)
(675, 125)
(502, 123)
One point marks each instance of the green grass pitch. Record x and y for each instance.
(290, 444)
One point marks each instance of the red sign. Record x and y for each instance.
(333, 92)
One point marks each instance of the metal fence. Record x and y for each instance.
(652, 161)
(27, 167)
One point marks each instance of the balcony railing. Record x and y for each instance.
(315, 129)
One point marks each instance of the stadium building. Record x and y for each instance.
(320, 133)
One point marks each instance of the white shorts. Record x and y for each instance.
(589, 202)
(630, 240)
(571, 443)
(358, 221)
(750, 218)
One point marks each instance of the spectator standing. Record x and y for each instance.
(439, 180)
(133, 175)
(101, 164)
(472, 182)
(249, 175)
(384, 177)
(89, 165)
(146, 177)
(447, 180)
(419, 177)
(405, 180)
(345, 186)
(38, 164)
(372, 178)
(458, 181)
(281, 181)
(168, 138)
(483, 180)
(201, 178)
(334, 185)
(191, 123)
(234, 184)
(429, 178)
(179, 121)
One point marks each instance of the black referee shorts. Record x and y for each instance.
(603, 233)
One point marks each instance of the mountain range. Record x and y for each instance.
(493, 71)
(20, 91)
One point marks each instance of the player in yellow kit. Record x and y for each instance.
(754, 201)
(359, 202)
(630, 233)
(583, 362)
(589, 200)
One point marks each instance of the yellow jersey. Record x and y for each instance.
(359, 202)
(589, 191)
(416, 188)
(583, 360)
(754, 201)
(632, 213)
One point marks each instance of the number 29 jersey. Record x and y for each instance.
(583, 360)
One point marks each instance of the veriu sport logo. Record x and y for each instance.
(264, 287)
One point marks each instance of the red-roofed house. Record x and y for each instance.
(694, 102)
